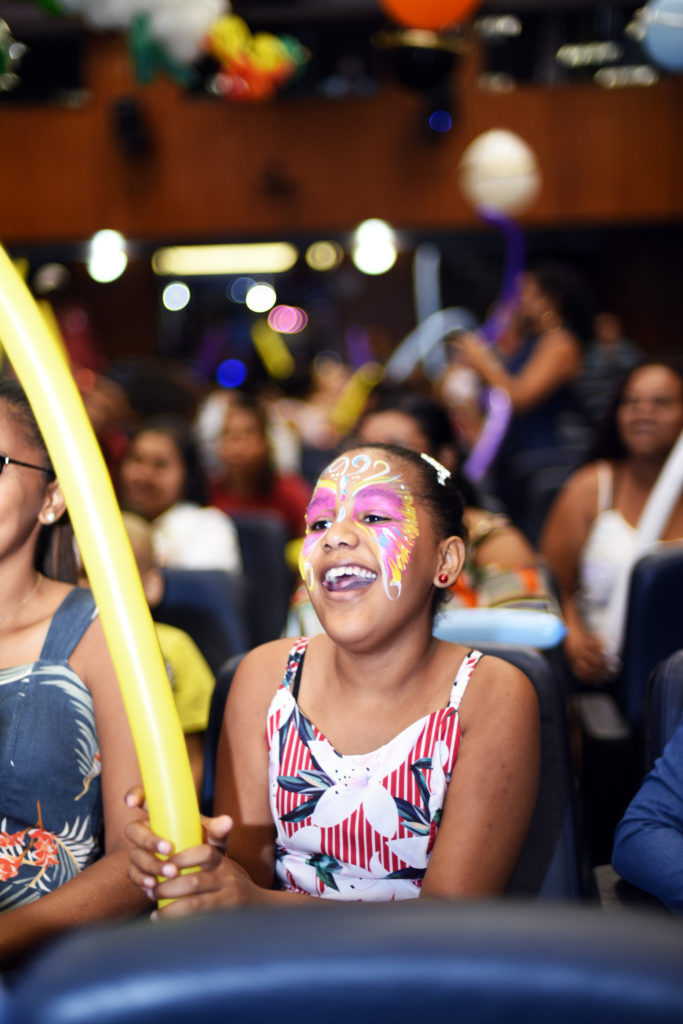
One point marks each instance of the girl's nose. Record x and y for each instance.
(340, 534)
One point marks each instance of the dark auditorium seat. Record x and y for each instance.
(613, 723)
(654, 627)
(209, 605)
(222, 685)
(664, 705)
(554, 863)
(474, 963)
(263, 538)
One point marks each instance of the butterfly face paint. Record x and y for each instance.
(364, 490)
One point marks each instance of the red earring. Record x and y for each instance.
(443, 577)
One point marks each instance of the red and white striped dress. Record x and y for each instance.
(358, 826)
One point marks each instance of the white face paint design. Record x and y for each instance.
(366, 490)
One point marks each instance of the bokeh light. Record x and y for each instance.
(175, 296)
(261, 297)
(440, 121)
(324, 255)
(374, 247)
(231, 373)
(287, 319)
(107, 257)
(239, 288)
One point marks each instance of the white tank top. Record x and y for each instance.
(611, 543)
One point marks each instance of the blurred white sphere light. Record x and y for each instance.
(107, 257)
(261, 297)
(499, 171)
(374, 247)
(175, 296)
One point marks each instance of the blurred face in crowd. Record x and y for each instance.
(243, 445)
(152, 475)
(650, 414)
(392, 427)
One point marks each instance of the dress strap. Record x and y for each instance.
(292, 677)
(68, 625)
(467, 667)
(605, 486)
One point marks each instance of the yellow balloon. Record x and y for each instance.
(351, 402)
(272, 350)
(108, 559)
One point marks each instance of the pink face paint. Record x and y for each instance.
(376, 499)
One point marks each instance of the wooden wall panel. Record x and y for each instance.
(605, 156)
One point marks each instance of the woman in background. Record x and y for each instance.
(590, 531)
(247, 478)
(161, 478)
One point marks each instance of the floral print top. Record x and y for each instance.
(360, 826)
(50, 793)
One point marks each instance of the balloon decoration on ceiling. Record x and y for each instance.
(435, 15)
(11, 53)
(252, 66)
(173, 36)
(660, 28)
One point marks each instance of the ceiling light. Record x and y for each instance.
(250, 258)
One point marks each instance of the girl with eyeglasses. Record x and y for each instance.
(66, 752)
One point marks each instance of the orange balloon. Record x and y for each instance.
(429, 14)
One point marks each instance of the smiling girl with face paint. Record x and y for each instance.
(378, 500)
(373, 761)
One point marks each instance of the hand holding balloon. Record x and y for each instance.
(196, 879)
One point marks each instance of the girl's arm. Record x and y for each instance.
(102, 890)
(492, 793)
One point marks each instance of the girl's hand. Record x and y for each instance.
(212, 880)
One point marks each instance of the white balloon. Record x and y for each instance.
(499, 171)
(178, 25)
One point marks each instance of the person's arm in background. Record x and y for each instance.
(556, 360)
(564, 535)
(648, 842)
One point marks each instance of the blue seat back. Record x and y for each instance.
(470, 962)
(653, 627)
(554, 862)
(209, 604)
(263, 538)
(664, 706)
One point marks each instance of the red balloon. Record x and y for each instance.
(429, 14)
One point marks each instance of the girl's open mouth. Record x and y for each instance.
(348, 577)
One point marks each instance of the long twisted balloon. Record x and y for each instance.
(108, 559)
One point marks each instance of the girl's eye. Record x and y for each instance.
(375, 517)
(318, 525)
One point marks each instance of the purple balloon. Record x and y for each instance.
(500, 316)
(490, 435)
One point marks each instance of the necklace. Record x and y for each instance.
(24, 600)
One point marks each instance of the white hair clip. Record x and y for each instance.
(442, 473)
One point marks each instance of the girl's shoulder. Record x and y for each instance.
(497, 687)
(263, 668)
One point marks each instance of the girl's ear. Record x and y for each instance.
(54, 506)
(451, 561)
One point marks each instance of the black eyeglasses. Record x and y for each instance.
(5, 461)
